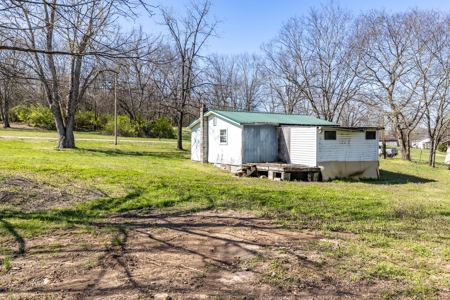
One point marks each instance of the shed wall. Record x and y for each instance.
(303, 148)
(229, 153)
(195, 143)
(259, 144)
(284, 144)
(349, 169)
(348, 146)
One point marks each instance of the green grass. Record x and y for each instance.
(6, 262)
(397, 227)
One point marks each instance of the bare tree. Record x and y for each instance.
(250, 82)
(189, 35)
(314, 55)
(137, 97)
(286, 84)
(389, 48)
(12, 77)
(65, 40)
(220, 74)
(433, 68)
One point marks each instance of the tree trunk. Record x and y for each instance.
(432, 157)
(404, 147)
(180, 131)
(66, 137)
(2, 115)
(5, 116)
(4, 107)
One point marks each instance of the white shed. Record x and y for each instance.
(424, 144)
(338, 151)
(229, 139)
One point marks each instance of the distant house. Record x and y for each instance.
(230, 139)
(424, 144)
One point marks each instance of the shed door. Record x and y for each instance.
(259, 144)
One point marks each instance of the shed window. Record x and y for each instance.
(371, 135)
(223, 136)
(214, 121)
(330, 135)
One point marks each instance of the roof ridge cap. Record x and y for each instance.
(259, 112)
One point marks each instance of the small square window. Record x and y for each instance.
(223, 136)
(330, 135)
(371, 135)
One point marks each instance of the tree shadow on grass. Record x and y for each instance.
(19, 239)
(118, 152)
(84, 215)
(387, 177)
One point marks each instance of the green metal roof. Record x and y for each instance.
(268, 118)
(241, 118)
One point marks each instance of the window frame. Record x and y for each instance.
(225, 135)
(371, 132)
(327, 138)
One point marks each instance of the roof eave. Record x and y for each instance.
(210, 112)
(363, 128)
(207, 114)
(193, 123)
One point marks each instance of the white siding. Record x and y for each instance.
(303, 145)
(348, 146)
(229, 153)
(195, 143)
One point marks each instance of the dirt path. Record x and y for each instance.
(204, 255)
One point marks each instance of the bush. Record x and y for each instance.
(84, 120)
(163, 129)
(124, 127)
(19, 113)
(129, 128)
(144, 127)
(42, 117)
(442, 148)
(34, 115)
(87, 120)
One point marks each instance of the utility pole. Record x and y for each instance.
(115, 109)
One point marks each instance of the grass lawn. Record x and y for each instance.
(394, 229)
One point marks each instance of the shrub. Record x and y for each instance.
(144, 127)
(41, 117)
(84, 120)
(124, 126)
(19, 113)
(163, 129)
(88, 120)
(34, 115)
(128, 127)
(442, 148)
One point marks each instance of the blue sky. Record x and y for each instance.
(249, 23)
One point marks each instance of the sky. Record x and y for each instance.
(247, 24)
